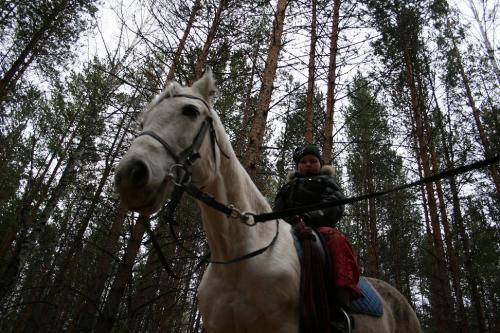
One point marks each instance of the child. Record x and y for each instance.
(310, 183)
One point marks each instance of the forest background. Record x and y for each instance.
(392, 91)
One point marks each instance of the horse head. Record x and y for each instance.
(177, 138)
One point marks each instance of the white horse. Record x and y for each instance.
(259, 294)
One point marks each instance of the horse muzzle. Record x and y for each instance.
(142, 187)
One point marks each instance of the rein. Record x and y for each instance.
(262, 218)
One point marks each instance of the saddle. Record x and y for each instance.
(317, 293)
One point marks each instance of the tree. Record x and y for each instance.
(308, 135)
(182, 43)
(482, 23)
(40, 32)
(259, 121)
(368, 133)
(388, 223)
(332, 77)
(110, 309)
(401, 43)
(495, 174)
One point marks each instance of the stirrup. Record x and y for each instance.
(348, 320)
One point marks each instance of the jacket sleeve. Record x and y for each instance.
(280, 202)
(331, 215)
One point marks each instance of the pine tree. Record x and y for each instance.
(400, 24)
(373, 166)
(253, 153)
(41, 33)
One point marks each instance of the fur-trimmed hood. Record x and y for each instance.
(325, 170)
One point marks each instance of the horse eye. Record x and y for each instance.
(190, 111)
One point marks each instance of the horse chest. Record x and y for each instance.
(248, 303)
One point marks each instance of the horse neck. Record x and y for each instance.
(228, 237)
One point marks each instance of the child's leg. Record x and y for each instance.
(344, 263)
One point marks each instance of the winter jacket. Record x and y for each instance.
(307, 190)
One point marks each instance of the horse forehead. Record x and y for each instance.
(167, 103)
(165, 117)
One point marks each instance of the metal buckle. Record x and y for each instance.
(243, 216)
(178, 181)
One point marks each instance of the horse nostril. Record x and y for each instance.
(139, 173)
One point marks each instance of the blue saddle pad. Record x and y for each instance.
(369, 303)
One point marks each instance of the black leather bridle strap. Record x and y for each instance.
(248, 255)
(193, 97)
(206, 199)
(186, 158)
(190, 154)
(165, 145)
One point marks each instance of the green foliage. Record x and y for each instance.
(45, 29)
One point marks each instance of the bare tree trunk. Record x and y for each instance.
(308, 135)
(202, 59)
(108, 314)
(452, 254)
(259, 122)
(87, 309)
(473, 280)
(442, 315)
(197, 325)
(450, 250)
(330, 93)
(9, 273)
(144, 296)
(373, 264)
(459, 225)
(149, 284)
(469, 273)
(486, 41)
(182, 43)
(477, 118)
(435, 281)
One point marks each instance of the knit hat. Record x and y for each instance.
(307, 149)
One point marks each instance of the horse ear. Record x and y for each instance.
(206, 84)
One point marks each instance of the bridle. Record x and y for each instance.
(180, 174)
(185, 159)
